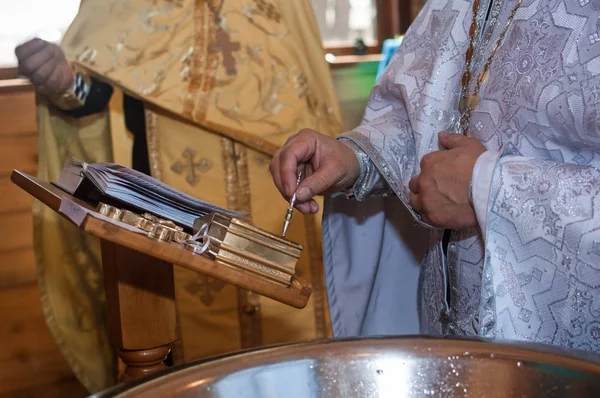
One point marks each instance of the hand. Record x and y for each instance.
(440, 194)
(45, 65)
(330, 166)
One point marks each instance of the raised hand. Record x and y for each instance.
(329, 165)
(45, 65)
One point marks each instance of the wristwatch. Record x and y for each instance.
(75, 96)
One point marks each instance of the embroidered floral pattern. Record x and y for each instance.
(537, 275)
(267, 9)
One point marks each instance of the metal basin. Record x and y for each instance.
(390, 367)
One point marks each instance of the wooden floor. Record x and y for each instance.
(30, 363)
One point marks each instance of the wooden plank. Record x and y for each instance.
(15, 86)
(131, 277)
(12, 198)
(16, 231)
(17, 112)
(18, 152)
(68, 387)
(8, 73)
(17, 267)
(21, 335)
(45, 192)
(140, 307)
(21, 314)
(30, 356)
(27, 371)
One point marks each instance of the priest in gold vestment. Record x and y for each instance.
(223, 84)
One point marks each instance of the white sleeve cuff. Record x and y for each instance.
(483, 173)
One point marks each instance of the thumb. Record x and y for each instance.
(318, 183)
(453, 140)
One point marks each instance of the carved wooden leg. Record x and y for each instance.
(140, 305)
(144, 362)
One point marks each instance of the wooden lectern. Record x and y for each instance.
(138, 280)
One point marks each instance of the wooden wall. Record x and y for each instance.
(31, 364)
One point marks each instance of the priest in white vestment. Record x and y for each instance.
(486, 128)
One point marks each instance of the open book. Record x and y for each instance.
(230, 240)
(126, 188)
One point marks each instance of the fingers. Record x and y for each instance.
(59, 81)
(289, 159)
(310, 207)
(318, 183)
(43, 73)
(450, 140)
(45, 65)
(276, 174)
(300, 150)
(308, 170)
(290, 139)
(414, 201)
(30, 64)
(413, 185)
(319, 157)
(29, 48)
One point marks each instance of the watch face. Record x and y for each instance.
(81, 87)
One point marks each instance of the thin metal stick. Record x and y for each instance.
(290, 210)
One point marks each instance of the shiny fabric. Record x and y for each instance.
(170, 53)
(210, 134)
(535, 276)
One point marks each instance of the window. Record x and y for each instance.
(343, 23)
(24, 19)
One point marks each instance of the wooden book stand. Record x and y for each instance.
(138, 280)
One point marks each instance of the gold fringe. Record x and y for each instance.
(153, 144)
(315, 260)
(235, 164)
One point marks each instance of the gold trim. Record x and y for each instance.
(270, 238)
(237, 186)
(231, 181)
(204, 63)
(315, 256)
(153, 144)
